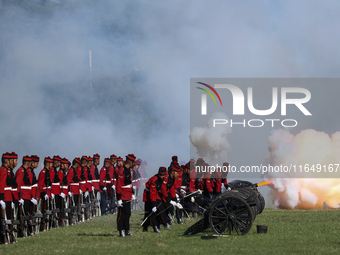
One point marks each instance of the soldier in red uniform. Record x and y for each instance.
(95, 179)
(169, 192)
(44, 186)
(152, 199)
(125, 195)
(24, 181)
(73, 183)
(4, 193)
(111, 187)
(103, 178)
(35, 193)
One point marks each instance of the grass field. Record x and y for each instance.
(289, 232)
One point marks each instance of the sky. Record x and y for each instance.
(143, 56)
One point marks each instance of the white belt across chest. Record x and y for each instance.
(127, 186)
(95, 180)
(83, 182)
(56, 183)
(25, 187)
(64, 187)
(35, 185)
(75, 184)
(8, 188)
(107, 181)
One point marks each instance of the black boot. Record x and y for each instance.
(194, 214)
(180, 221)
(128, 233)
(145, 229)
(121, 233)
(156, 230)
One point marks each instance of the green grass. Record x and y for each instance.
(289, 232)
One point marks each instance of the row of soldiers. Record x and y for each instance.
(180, 189)
(64, 192)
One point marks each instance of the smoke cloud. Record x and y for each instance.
(308, 147)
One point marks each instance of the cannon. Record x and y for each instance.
(232, 212)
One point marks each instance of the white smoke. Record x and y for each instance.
(308, 147)
(211, 142)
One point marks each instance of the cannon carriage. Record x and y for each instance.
(232, 212)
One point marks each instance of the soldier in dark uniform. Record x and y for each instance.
(125, 195)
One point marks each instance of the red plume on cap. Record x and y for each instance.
(64, 161)
(120, 159)
(176, 167)
(107, 160)
(131, 157)
(113, 156)
(48, 159)
(84, 157)
(27, 158)
(77, 160)
(96, 156)
(14, 155)
(7, 155)
(89, 158)
(58, 158)
(225, 164)
(162, 170)
(35, 158)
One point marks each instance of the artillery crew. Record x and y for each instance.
(65, 194)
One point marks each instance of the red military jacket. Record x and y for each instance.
(55, 181)
(124, 189)
(95, 179)
(168, 189)
(3, 178)
(73, 181)
(104, 178)
(152, 190)
(24, 181)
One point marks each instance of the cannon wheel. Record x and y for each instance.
(230, 215)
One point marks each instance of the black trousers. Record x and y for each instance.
(152, 220)
(123, 217)
(162, 218)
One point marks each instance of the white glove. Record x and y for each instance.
(173, 203)
(120, 203)
(21, 201)
(62, 195)
(12, 204)
(86, 194)
(70, 193)
(154, 209)
(177, 196)
(34, 201)
(104, 188)
(3, 204)
(199, 191)
(113, 186)
(46, 196)
(179, 206)
(192, 200)
(183, 192)
(133, 197)
(52, 195)
(229, 189)
(80, 192)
